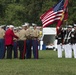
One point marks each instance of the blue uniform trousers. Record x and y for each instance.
(28, 48)
(2, 48)
(35, 48)
(15, 49)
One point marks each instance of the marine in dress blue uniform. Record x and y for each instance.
(15, 45)
(28, 41)
(22, 42)
(2, 47)
(35, 41)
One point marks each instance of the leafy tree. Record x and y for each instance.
(14, 13)
(19, 11)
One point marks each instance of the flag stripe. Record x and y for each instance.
(50, 21)
(50, 17)
(51, 14)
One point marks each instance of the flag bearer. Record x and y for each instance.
(35, 41)
(67, 42)
(2, 47)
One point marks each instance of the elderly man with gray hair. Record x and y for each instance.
(9, 35)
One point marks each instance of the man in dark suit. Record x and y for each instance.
(9, 35)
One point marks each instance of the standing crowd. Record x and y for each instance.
(66, 40)
(25, 39)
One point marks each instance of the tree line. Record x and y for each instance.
(17, 12)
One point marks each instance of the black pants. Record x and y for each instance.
(9, 51)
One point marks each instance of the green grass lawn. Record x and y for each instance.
(47, 64)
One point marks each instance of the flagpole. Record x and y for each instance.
(66, 24)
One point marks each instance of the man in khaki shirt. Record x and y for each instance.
(15, 45)
(35, 41)
(2, 47)
(22, 41)
(28, 41)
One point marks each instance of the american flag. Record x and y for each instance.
(64, 17)
(54, 14)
